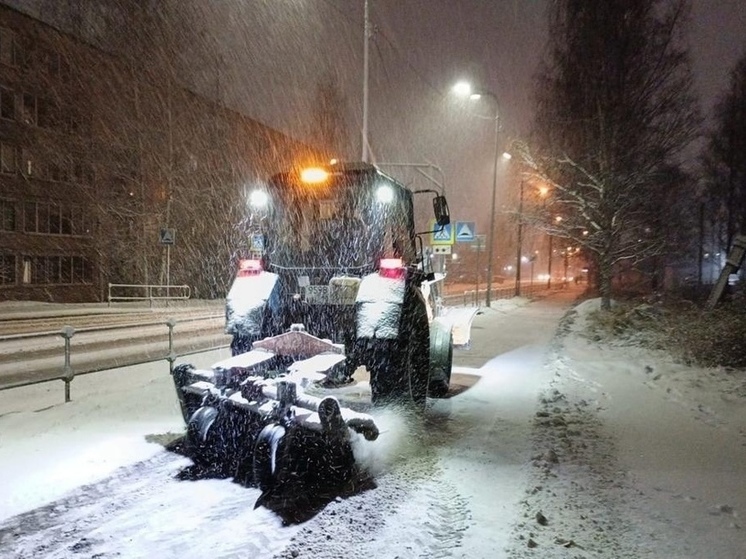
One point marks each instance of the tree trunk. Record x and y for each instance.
(604, 281)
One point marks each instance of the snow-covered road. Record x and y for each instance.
(549, 447)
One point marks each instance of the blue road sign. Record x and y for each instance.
(167, 236)
(441, 235)
(465, 231)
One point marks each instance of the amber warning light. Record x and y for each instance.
(313, 175)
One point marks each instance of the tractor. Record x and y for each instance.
(334, 284)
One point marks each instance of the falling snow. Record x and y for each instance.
(552, 445)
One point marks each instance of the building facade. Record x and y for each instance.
(99, 153)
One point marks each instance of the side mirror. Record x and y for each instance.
(440, 208)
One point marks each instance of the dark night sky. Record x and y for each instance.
(266, 56)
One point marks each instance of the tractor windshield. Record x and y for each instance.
(348, 222)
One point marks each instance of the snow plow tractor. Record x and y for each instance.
(335, 285)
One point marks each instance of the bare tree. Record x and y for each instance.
(725, 159)
(615, 110)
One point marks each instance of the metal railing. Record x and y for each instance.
(68, 373)
(145, 292)
(474, 298)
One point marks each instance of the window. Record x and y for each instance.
(28, 167)
(39, 111)
(47, 113)
(7, 215)
(7, 103)
(42, 218)
(7, 158)
(59, 171)
(9, 48)
(81, 270)
(66, 221)
(29, 217)
(58, 270)
(51, 219)
(82, 174)
(7, 269)
(28, 109)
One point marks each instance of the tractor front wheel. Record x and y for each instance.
(268, 457)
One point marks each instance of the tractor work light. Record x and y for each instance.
(385, 194)
(258, 199)
(313, 175)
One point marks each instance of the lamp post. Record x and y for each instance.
(520, 247)
(464, 89)
(366, 66)
(557, 220)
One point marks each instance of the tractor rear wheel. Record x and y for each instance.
(400, 371)
(418, 358)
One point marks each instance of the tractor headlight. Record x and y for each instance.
(385, 194)
(258, 199)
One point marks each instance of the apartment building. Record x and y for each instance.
(99, 153)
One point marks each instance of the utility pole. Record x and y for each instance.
(549, 264)
(366, 64)
(491, 237)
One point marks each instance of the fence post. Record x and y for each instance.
(67, 371)
(171, 357)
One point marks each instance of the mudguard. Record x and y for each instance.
(246, 301)
(379, 306)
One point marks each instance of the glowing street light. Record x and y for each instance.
(464, 89)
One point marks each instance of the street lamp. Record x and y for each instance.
(520, 247)
(464, 89)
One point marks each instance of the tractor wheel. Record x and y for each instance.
(199, 439)
(385, 367)
(418, 358)
(441, 361)
(401, 372)
(268, 457)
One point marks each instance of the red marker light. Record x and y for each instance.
(249, 268)
(392, 268)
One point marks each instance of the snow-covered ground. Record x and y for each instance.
(552, 446)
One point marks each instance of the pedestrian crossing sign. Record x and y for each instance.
(441, 235)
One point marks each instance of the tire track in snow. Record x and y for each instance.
(144, 511)
(412, 512)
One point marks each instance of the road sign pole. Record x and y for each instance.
(479, 249)
(168, 271)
